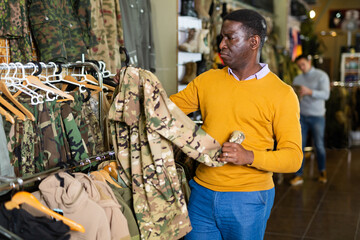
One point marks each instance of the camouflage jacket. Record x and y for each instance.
(61, 28)
(106, 22)
(144, 124)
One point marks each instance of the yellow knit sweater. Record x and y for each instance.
(264, 109)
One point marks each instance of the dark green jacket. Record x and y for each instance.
(61, 28)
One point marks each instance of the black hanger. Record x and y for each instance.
(38, 66)
(127, 59)
(58, 64)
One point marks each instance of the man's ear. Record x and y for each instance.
(255, 41)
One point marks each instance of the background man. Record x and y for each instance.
(313, 89)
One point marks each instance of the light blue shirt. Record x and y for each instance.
(318, 81)
(260, 74)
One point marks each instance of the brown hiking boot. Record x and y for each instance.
(323, 177)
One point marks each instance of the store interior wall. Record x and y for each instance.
(332, 44)
(164, 18)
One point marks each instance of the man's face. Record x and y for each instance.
(235, 44)
(304, 64)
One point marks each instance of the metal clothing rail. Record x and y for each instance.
(69, 65)
(17, 183)
(345, 84)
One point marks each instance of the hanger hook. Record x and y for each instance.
(34, 66)
(38, 66)
(22, 68)
(55, 67)
(15, 68)
(58, 64)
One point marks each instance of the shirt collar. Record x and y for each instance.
(260, 74)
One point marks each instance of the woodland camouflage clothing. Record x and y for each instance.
(77, 145)
(144, 124)
(61, 28)
(14, 26)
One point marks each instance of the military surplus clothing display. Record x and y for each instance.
(61, 132)
(264, 120)
(61, 29)
(144, 124)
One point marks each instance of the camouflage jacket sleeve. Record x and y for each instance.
(165, 118)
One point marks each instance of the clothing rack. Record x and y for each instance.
(18, 183)
(69, 65)
(345, 84)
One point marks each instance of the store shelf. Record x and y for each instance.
(185, 23)
(350, 67)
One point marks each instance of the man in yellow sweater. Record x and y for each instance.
(234, 201)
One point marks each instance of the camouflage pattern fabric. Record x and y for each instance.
(185, 188)
(106, 21)
(83, 10)
(13, 138)
(77, 145)
(6, 169)
(52, 145)
(22, 143)
(144, 125)
(14, 26)
(58, 28)
(76, 107)
(88, 124)
(29, 143)
(21, 49)
(13, 18)
(62, 153)
(94, 127)
(94, 104)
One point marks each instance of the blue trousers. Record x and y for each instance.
(317, 127)
(228, 215)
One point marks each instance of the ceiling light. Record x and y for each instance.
(312, 14)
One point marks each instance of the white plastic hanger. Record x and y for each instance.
(58, 77)
(15, 84)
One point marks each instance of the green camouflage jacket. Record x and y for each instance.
(144, 124)
(61, 28)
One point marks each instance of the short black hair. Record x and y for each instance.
(252, 21)
(303, 56)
